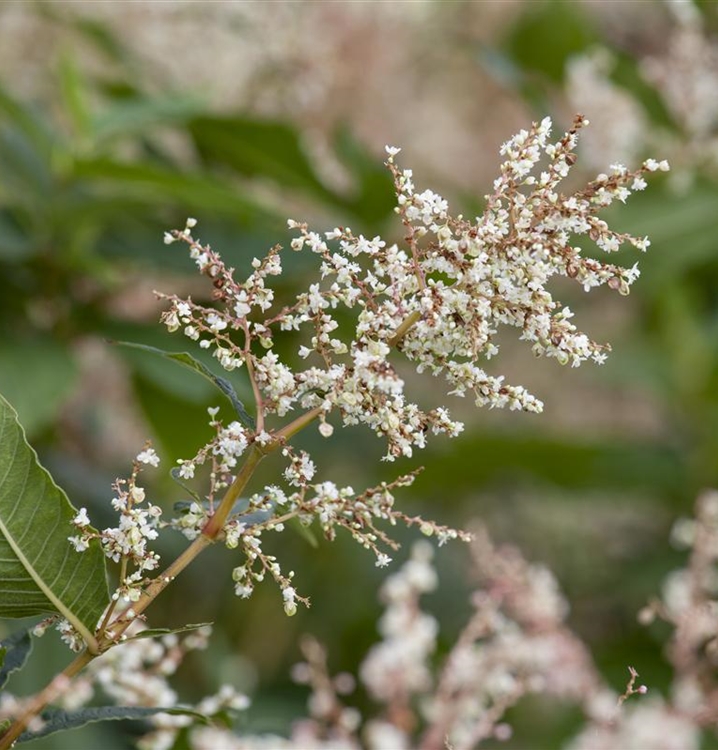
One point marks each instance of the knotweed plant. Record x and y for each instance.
(437, 300)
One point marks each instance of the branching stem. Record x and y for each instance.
(51, 692)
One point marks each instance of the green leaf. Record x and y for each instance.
(40, 571)
(75, 94)
(59, 721)
(159, 632)
(187, 360)
(256, 148)
(158, 184)
(240, 511)
(175, 474)
(134, 116)
(14, 651)
(304, 531)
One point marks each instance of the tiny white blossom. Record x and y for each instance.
(81, 519)
(148, 456)
(79, 543)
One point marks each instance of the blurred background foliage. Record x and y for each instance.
(243, 115)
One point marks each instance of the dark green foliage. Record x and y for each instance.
(84, 199)
(14, 652)
(187, 360)
(62, 721)
(41, 572)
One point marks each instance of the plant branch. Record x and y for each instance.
(216, 522)
(52, 690)
(404, 328)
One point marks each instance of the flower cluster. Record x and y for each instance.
(137, 673)
(329, 506)
(684, 79)
(127, 543)
(397, 667)
(515, 643)
(440, 300)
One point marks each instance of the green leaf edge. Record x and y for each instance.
(187, 360)
(60, 607)
(14, 652)
(59, 720)
(159, 632)
(174, 473)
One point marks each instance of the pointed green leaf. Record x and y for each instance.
(159, 632)
(152, 183)
(304, 531)
(175, 474)
(14, 651)
(40, 571)
(241, 510)
(186, 359)
(138, 115)
(58, 721)
(258, 148)
(75, 95)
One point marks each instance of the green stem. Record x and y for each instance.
(207, 537)
(217, 521)
(153, 590)
(50, 693)
(109, 635)
(298, 424)
(404, 328)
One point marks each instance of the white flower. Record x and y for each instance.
(79, 543)
(215, 322)
(148, 456)
(187, 469)
(81, 519)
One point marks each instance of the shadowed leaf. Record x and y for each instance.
(159, 632)
(14, 651)
(58, 721)
(183, 358)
